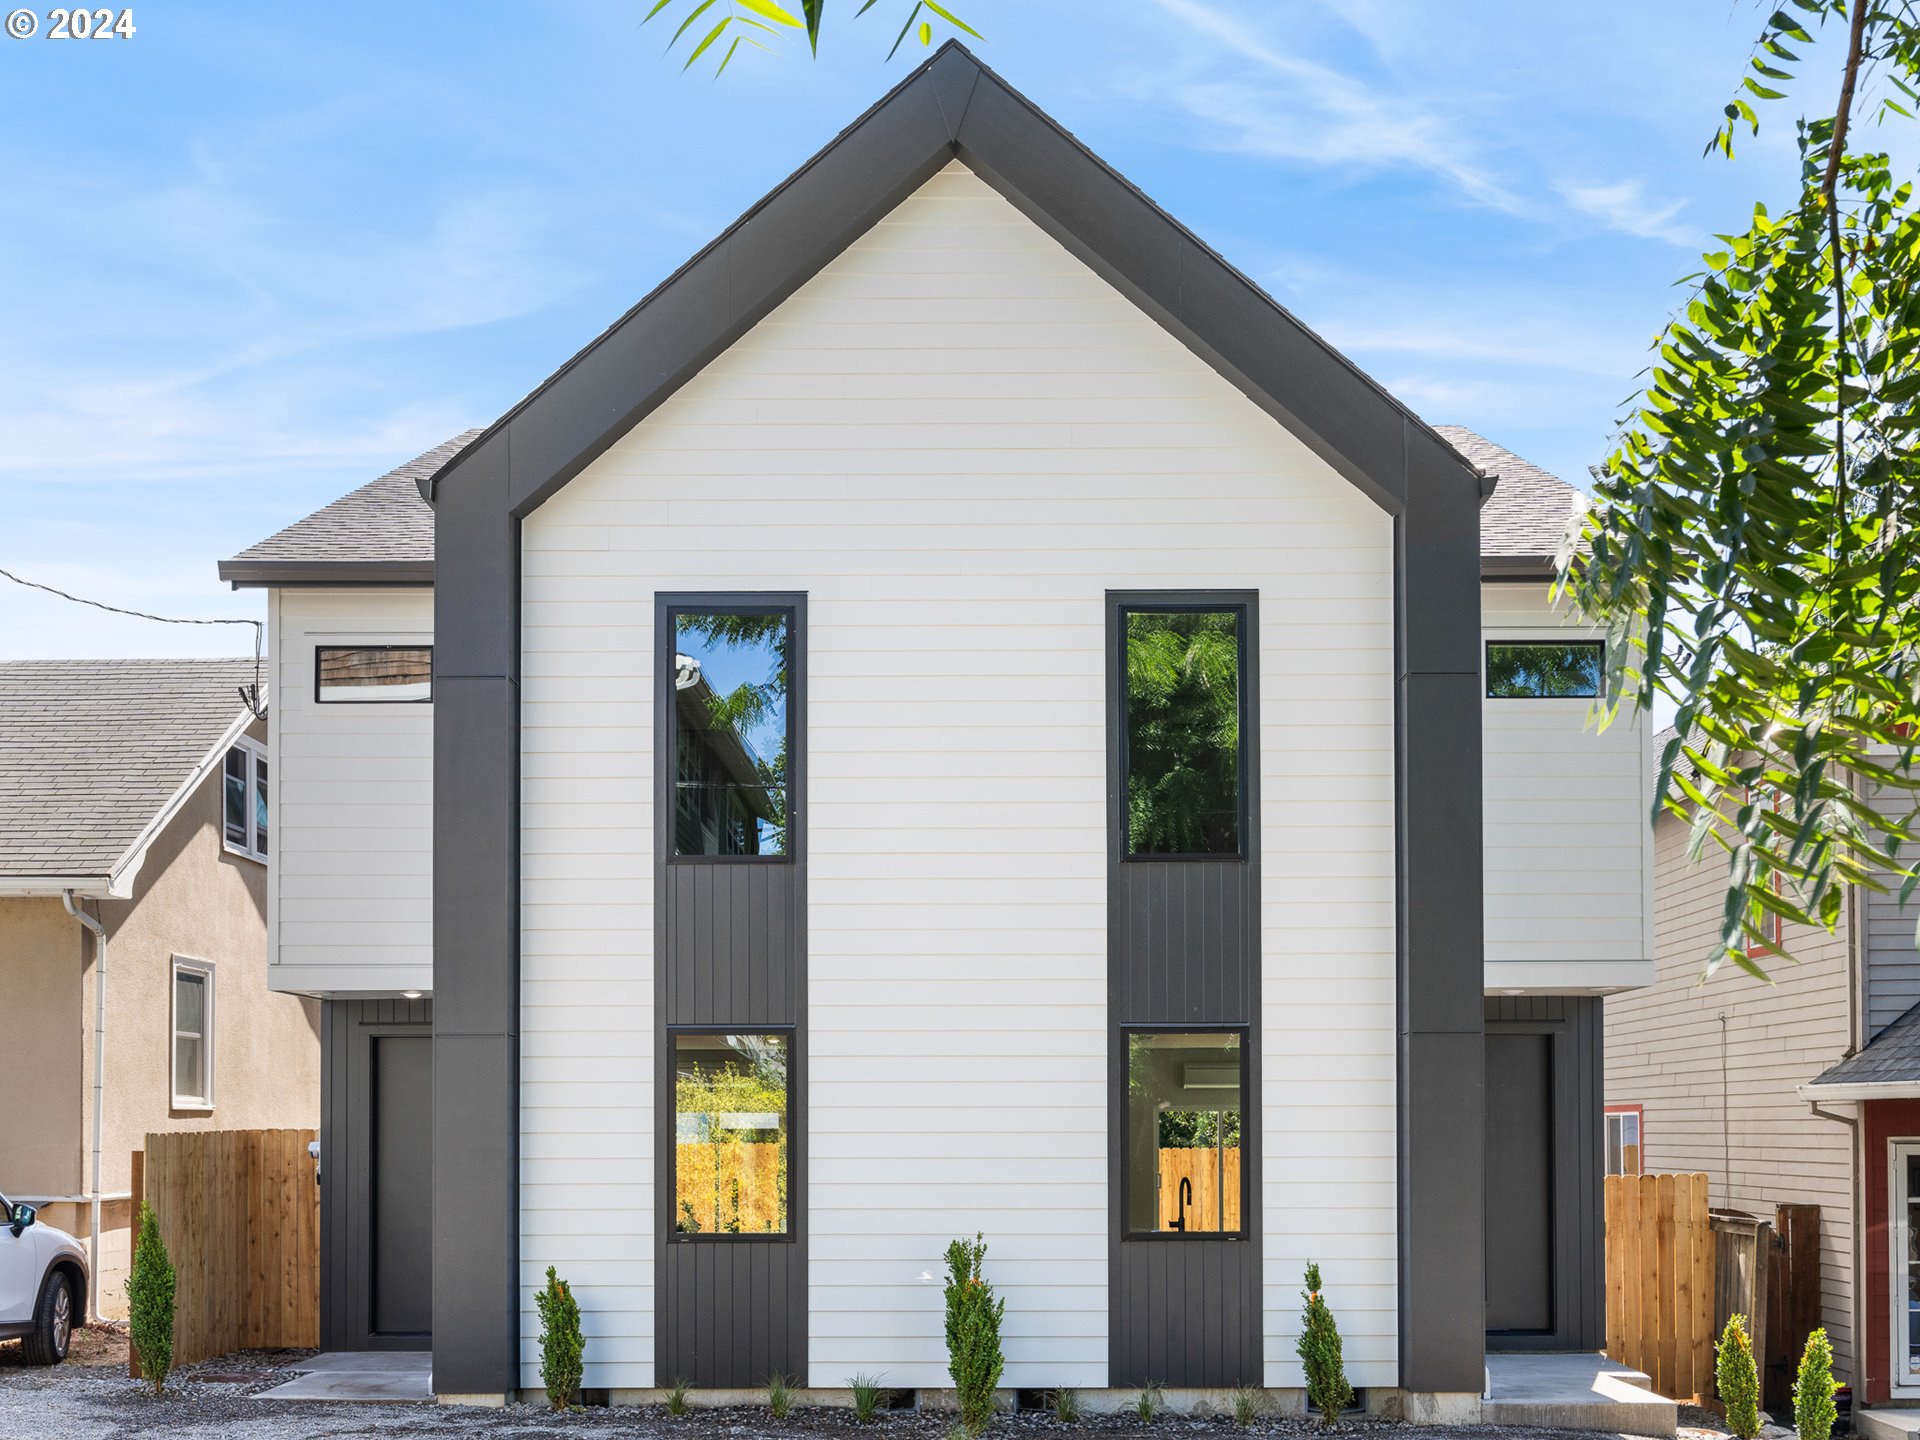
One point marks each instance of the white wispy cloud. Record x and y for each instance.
(1625, 206)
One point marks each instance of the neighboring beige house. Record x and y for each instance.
(1706, 1077)
(137, 791)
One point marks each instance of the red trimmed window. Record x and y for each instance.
(1766, 921)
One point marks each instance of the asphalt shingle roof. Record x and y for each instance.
(1527, 514)
(384, 522)
(92, 750)
(1891, 1056)
(385, 525)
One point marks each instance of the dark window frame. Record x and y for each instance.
(788, 1236)
(667, 607)
(1600, 669)
(1240, 604)
(427, 699)
(1249, 1116)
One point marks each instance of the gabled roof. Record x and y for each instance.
(1523, 522)
(1888, 1066)
(381, 532)
(95, 756)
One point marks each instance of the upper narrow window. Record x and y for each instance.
(1184, 759)
(1532, 670)
(731, 731)
(244, 800)
(730, 1134)
(1183, 1132)
(373, 674)
(192, 1035)
(1623, 1140)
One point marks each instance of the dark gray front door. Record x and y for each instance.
(1519, 1206)
(402, 1185)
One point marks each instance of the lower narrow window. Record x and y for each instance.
(192, 1035)
(730, 1134)
(1184, 1092)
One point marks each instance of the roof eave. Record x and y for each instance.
(1860, 1089)
(51, 887)
(1528, 568)
(242, 573)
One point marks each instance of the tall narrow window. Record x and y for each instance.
(1623, 1140)
(730, 1133)
(243, 796)
(732, 731)
(372, 674)
(1184, 757)
(1184, 1109)
(192, 1035)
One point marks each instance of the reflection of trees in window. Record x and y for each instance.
(730, 1107)
(1517, 671)
(730, 747)
(1183, 733)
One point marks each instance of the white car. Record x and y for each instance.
(43, 1283)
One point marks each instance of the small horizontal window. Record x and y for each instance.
(1184, 1104)
(1529, 670)
(373, 674)
(730, 1134)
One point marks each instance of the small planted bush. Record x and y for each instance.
(1066, 1406)
(150, 1302)
(1320, 1356)
(974, 1356)
(1248, 1402)
(1147, 1404)
(1737, 1379)
(779, 1395)
(1813, 1408)
(563, 1347)
(870, 1397)
(677, 1396)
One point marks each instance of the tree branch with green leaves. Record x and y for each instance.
(721, 27)
(1754, 542)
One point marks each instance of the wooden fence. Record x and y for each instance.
(1201, 1167)
(1793, 1300)
(1660, 1280)
(239, 1211)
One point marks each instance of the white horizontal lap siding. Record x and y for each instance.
(351, 790)
(955, 440)
(1568, 851)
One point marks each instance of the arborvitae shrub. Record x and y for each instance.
(973, 1332)
(150, 1302)
(1737, 1379)
(1813, 1408)
(562, 1346)
(1319, 1349)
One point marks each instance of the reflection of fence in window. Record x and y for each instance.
(730, 1187)
(1204, 1202)
(374, 673)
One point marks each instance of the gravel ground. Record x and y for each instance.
(213, 1401)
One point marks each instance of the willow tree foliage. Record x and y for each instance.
(1754, 545)
(720, 27)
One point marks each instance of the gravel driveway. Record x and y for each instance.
(214, 1401)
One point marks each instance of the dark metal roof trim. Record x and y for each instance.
(955, 107)
(284, 573)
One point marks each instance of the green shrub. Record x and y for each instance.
(1813, 1407)
(1737, 1380)
(1319, 1351)
(973, 1332)
(1066, 1406)
(1248, 1402)
(869, 1397)
(562, 1346)
(150, 1302)
(677, 1396)
(779, 1395)
(1147, 1403)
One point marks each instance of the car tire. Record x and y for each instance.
(46, 1343)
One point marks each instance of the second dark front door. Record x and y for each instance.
(1519, 1208)
(402, 1186)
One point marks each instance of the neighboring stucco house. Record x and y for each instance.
(137, 791)
(956, 714)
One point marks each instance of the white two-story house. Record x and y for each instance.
(956, 714)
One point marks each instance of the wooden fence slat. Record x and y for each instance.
(239, 1212)
(1684, 1241)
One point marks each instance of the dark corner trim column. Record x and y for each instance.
(476, 931)
(1440, 919)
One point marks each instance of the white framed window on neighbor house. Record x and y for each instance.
(244, 800)
(193, 1057)
(1625, 1152)
(1903, 1213)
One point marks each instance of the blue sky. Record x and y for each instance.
(255, 255)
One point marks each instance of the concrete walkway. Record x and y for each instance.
(359, 1375)
(1574, 1392)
